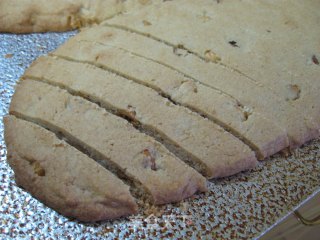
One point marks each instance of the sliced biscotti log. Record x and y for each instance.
(261, 134)
(256, 52)
(111, 140)
(62, 177)
(189, 135)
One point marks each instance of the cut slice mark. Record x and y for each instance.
(168, 44)
(252, 80)
(227, 128)
(137, 190)
(244, 109)
(178, 151)
(180, 46)
(166, 65)
(118, 73)
(172, 147)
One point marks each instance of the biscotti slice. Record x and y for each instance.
(111, 140)
(62, 177)
(188, 134)
(262, 135)
(255, 53)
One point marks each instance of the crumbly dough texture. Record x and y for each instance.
(163, 96)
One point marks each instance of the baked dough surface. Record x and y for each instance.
(164, 96)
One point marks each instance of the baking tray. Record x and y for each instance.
(243, 206)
